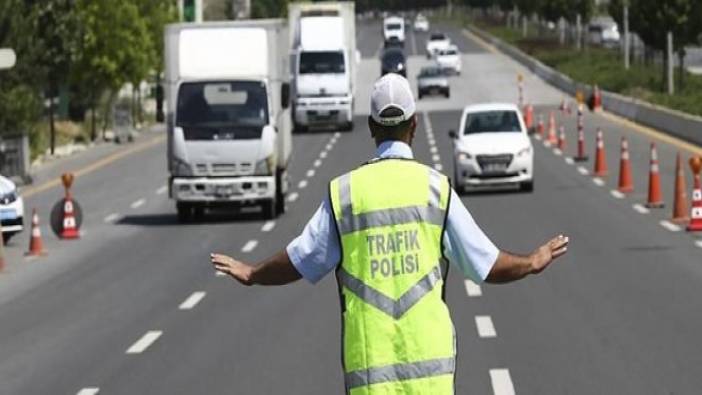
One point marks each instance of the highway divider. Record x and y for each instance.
(675, 123)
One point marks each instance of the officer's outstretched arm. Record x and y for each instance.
(276, 270)
(510, 267)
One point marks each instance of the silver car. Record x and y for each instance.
(432, 80)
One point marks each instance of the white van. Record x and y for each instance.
(394, 30)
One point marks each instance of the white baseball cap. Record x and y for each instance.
(392, 91)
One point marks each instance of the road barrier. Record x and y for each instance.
(69, 229)
(655, 196)
(562, 139)
(626, 179)
(540, 125)
(600, 156)
(529, 116)
(675, 123)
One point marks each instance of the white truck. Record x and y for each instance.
(229, 132)
(324, 61)
(394, 31)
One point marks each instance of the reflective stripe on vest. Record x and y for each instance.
(396, 327)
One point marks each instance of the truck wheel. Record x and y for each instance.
(268, 208)
(279, 195)
(184, 212)
(348, 126)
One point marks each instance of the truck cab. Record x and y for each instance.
(394, 31)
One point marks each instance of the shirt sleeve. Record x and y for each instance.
(465, 244)
(316, 252)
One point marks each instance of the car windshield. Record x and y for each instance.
(492, 121)
(205, 108)
(431, 72)
(449, 52)
(393, 26)
(321, 62)
(437, 37)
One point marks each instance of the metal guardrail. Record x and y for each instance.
(675, 123)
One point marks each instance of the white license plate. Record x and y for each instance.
(8, 214)
(495, 168)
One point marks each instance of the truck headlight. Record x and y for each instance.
(524, 151)
(266, 167)
(182, 168)
(464, 156)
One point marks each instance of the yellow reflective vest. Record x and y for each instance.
(398, 337)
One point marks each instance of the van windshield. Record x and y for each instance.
(393, 26)
(492, 121)
(222, 109)
(322, 62)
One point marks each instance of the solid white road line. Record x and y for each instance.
(583, 170)
(310, 173)
(698, 243)
(670, 226)
(162, 190)
(323, 154)
(616, 194)
(302, 184)
(249, 246)
(436, 158)
(268, 226)
(501, 382)
(142, 344)
(317, 163)
(192, 300)
(89, 391)
(293, 196)
(473, 289)
(569, 160)
(598, 181)
(485, 326)
(112, 218)
(641, 209)
(138, 203)
(438, 166)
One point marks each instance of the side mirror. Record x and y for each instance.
(452, 134)
(285, 95)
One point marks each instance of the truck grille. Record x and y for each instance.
(224, 169)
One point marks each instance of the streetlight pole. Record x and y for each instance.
(627, 41)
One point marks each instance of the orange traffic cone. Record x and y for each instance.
(562, 138)
(540, 125)
(596, 99)
(655, 196)
(626, 181)
(552, 129)
(529, 116)
(695, 224)
(680, 213)
(70, 229)
(600, 157)
(36, 247)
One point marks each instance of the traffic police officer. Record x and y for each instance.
(389, 229)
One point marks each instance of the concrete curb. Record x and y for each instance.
(675, 123)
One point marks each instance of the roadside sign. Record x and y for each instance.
(7, 58)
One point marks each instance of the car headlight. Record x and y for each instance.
(266, 167)
(400, 66)
(9, 197)
(182, 168)
(524, 151)
(464, 156)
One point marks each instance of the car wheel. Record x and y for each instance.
(279, 195)
(7, 236)
(419, 95)
(527, 186)
(184, 212)
(297, 128)
(268, 208)
(348, 126)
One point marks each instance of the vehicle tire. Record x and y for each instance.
(185, 212)
(297, 128)
(447, 93)
(7, 236)
(268, 209)
(527, 186)
(347, 127)
(198, 211)
(279, 195)
(419, 95)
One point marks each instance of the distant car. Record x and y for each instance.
(449, 59)
(11, 209)
(421, 24)
(432, 81)
(437, 41)
(605, 33)
(393, 60)
(492, 148)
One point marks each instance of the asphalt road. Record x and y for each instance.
(134, 307)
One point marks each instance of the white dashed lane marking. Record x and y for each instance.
(438, 166)
(162, 190)
(583, 170)
(268, 226)
(569, 160)
(192, 300)
(249, 246)
(317, 163)
(293, 196)
(323, 154)
(641, 209)
(557, 152)
(616, 194)
(436, 158)
(310, 173)
(698, 243)
(485, 327)
(142, 344)
(138, 203)
(433, 149)
(302, 184)
(670, 226)
(473, 289)
(598, 181)
(220, 274)
(501, 382)
(329, 147)
(112, 218)
(89, 391)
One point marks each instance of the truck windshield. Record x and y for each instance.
(393, 26)
(222, 109)
(492, 121)
(322, 62)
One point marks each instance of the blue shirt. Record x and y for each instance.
(316, 251)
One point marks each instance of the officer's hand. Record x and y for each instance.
(228, 265)
(544, 255)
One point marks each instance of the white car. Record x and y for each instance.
(449, 59)
(394, 30)
(492, 148)
(421, 24)
(11, 209)
(437, 42)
